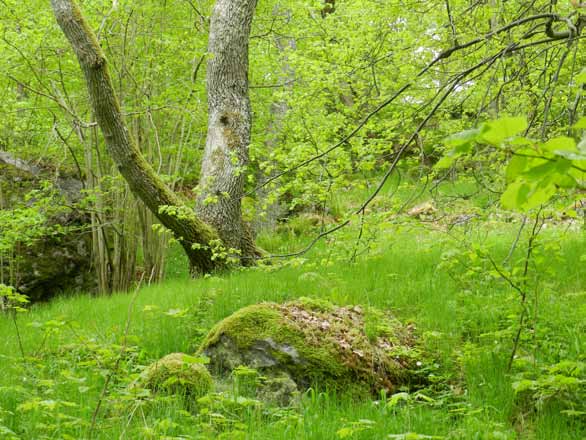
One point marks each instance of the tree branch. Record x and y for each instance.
(187, 228)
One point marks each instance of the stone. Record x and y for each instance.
(423, 210)
(177, 373)
(279, 390)
(312, 342)
(55, 262)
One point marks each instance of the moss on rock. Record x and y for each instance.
(177, 374)
(279, 390)
(341, 348)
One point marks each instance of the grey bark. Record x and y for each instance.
(19, 164)
(142, 179)
(225, 158)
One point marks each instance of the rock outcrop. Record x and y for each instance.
(343, 349)
(55, 262)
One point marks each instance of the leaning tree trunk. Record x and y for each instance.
(195, 235)
(229, 120)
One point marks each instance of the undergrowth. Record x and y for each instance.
(80, 354)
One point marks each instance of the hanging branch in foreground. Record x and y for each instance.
(452, 84)
(442, 56)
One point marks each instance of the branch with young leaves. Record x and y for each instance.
(536, 171)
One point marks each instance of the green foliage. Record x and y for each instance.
(72, 346)
(536, 171)
(12, 300)
(314, 79)
(562, 385)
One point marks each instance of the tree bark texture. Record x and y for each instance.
(142, 179)
(229, 121)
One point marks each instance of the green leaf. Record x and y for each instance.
(540, 194)
(581, 123)
(495, 132)
(561, 143)
(445, 162)
(581, 77)
(345, 432)
(573, 413)
(523, 385)
(397, 398)
(565, 180)
(515, 195)
(463, 138)
(516, 166)
(521, 141)
(524, 195)
(195, 360)
(540, 171)
(562, 165)
(461, 143)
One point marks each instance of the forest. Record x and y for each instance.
(293, 219)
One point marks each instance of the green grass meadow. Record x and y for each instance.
(465, 319)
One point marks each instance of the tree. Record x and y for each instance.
(451, 77)
(218, 227)
(229, 123)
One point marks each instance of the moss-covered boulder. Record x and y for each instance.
(53, 254)
(348, 349)
(177, 373)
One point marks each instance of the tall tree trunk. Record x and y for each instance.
(229, 120)
(195, 235)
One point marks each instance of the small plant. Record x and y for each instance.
(246, 381)
(563, 384)
(11, 300)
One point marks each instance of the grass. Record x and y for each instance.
(466, 320)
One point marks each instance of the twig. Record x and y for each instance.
(335, 146)
(534, 232)
(514, 245)
(443, 55)
(452, 25)
(64, 140)
(355, 252)
(18, 337)
(310, 245)
(406, 145)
